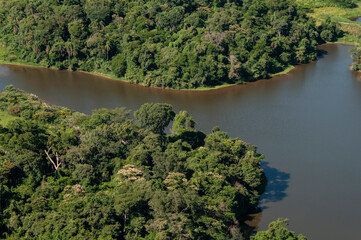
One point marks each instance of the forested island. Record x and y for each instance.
(179, 44)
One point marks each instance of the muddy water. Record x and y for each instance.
(307, 123)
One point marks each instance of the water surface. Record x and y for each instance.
(307, 123)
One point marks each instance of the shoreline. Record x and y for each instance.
(338, 14)
(113, 78)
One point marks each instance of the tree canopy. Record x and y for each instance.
(163, 43)
(277, 230)
(154, 116)
(67, 175)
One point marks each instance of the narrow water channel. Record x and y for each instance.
(307, 123)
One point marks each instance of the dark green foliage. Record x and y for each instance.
(329, 31)
(356, 56)
(119, 65)
(343, 3)
(118, 180)
(277, 230)
(169, 44)
(154, 116)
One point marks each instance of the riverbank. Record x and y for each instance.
(114, 78)
(7, 58)
(3, 53)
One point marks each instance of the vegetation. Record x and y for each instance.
(340, 13)
(343, 13)
(356, 57)
(163, 43)
(277, 230)
(328, 3)
(67, 175)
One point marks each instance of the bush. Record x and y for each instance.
(45, 116)
(119, 65)
(27, 114)
(14, 110)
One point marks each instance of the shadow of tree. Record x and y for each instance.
(321, 54)
(275, 191)
(276, 186)
(249, 224)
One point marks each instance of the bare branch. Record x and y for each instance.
(51, 160)
(58, 163)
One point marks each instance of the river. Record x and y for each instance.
(307, 123)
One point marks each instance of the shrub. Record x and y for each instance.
(14, 110)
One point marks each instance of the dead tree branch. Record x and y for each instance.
(58, 162)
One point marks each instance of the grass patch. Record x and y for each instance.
(5, 118)
(312, 3)
(320, 11)
(287, 70)
(204, 88)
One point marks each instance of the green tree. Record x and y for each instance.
(277, 230)
(356, 57)
(154, 116)
(97, 10)
(119, 65)
(182, 121)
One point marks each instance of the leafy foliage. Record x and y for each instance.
(154, 116)
(163, 43)
(67, 175)
(356, 56)
(329, 3)
(277, 230)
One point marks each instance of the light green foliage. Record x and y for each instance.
(182, 122)
(168, 44)
(277, 230)
(5, 118)
(328, 3)
(121, 179)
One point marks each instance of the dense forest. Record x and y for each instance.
(67, 175)
(163, 43)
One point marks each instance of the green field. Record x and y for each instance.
(5, 118)
(320, 10)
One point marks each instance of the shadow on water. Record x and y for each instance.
(321, 54)
(249, 225)
(276, 186)
(275, 191)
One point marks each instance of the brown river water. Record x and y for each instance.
(307, 123)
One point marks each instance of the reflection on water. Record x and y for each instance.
(306, 123)
(4, 71)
